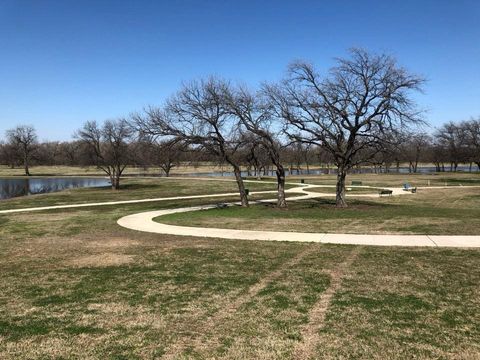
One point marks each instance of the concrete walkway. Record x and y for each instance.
(397, 191)
(144, 222)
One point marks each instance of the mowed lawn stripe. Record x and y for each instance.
(208, 337)
(310, 336)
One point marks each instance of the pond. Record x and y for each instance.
(13, 187)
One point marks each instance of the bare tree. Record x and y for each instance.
(472, 135)
(8, 155)
(164, 154)
(452, 139)
(257, 119)
(108, 146)
(256, 156)
(413, 148)
(347, 111)
(197, 115)
(24, 139)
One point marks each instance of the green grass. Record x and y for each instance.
(132, 189)
(397, 180)
(415, 315)
(76, 285)
(433, 212)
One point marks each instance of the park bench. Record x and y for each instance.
(356, 183)
(408, 187)
(385, 192)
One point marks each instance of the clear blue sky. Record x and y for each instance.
(64, 62)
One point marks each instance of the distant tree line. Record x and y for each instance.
(359, 113)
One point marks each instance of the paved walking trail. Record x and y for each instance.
(144, 222)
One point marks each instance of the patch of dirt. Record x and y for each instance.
(113, 243)
(46, 217)
(100, 260)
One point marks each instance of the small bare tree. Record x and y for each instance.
(347, 111)
(472, 134)
(414, 147)
(24, 139)
(164, 154)
(109, 146)
(453, 139)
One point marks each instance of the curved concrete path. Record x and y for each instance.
(144, 222)
(397, 191)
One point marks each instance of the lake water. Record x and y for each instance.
(12, 187)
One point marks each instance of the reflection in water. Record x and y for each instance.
(28, 186)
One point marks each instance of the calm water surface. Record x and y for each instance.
(10, 187)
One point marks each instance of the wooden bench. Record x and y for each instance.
(356, 183)
(385, 192)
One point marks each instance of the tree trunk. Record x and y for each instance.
(281, 202)
(25, 163)
(241, 186)
(115, 181)
(340, 200)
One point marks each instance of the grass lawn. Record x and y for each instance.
(397, 180)
(134, 188)
(76, 285)
(432, 212)
(350, 190)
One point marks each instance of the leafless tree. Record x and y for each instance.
(257, 119)
(414, 148)
(471, 129)
(197, 115)
(8, 155)
(109, 146)
(256, 155)
(24, 139)
(348, 110)
(452, 139)
(164, 154)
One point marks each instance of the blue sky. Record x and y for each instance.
(64, 62)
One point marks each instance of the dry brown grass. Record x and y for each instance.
(433, 211)
(316, 317)
(76, 285)
(99, 260)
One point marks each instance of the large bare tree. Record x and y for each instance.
(24, 139)
(198, 116)
(348, 109)
(109, 146)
